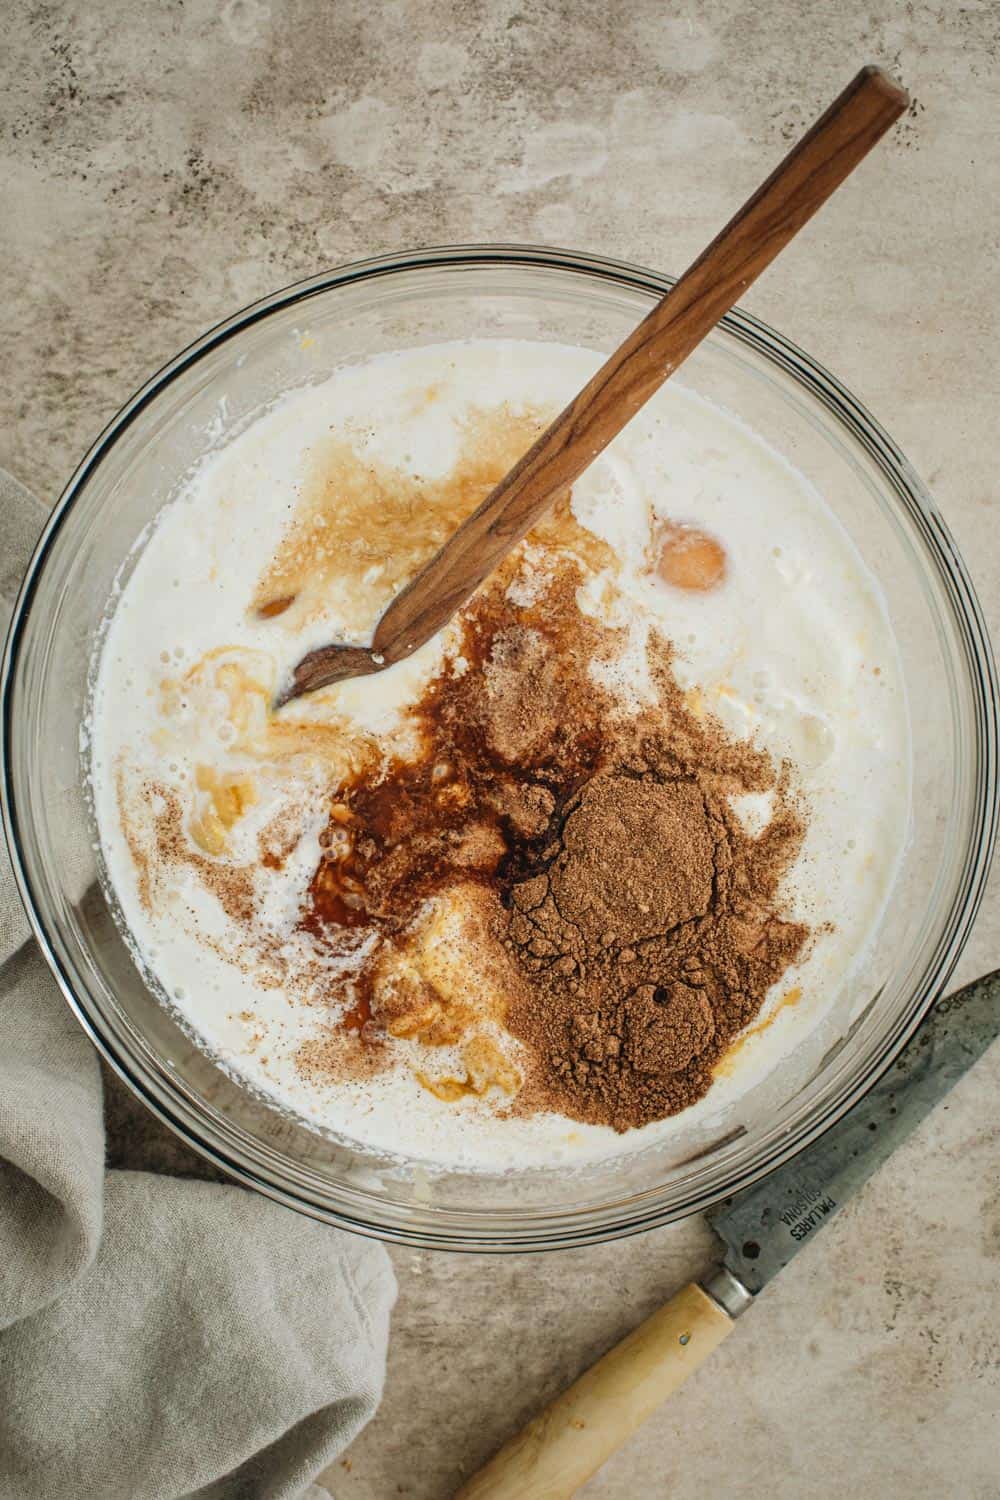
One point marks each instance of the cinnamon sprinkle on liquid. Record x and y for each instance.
(632, 925)
(545, 901)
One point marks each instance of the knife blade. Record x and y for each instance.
(766, 1224)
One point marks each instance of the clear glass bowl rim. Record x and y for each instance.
(479, 1231)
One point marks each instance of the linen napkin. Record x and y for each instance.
(159, 1337)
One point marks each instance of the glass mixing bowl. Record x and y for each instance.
(297, 336)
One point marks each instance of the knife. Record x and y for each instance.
(761, 1228)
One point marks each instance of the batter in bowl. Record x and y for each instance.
(574, 866)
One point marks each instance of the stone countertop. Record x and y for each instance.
(163, 163)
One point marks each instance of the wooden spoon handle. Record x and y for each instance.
(560, 1448)
(810, 172)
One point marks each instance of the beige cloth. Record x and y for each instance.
(159, 1337)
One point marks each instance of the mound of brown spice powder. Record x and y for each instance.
(634, 922)
(652, 937)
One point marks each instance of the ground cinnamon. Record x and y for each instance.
(637, 925)
(652, 939)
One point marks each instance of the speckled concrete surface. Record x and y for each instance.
(163, 163)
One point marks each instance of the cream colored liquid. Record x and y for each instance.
(298, 532)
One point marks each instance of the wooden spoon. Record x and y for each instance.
(810, 172)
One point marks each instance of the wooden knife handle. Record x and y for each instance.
(801, 184)
(565, 1444)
